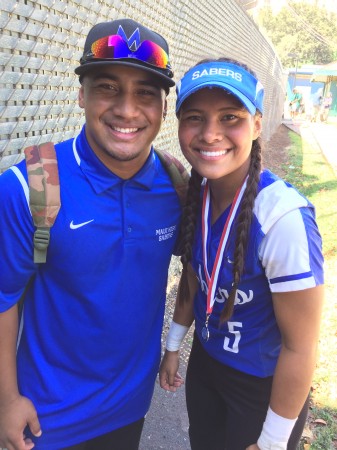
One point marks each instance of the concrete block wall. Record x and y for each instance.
(41, 43)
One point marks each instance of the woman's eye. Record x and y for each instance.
(193, 118)
(229, 117)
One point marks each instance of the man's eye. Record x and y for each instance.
(106, 87)
(146, 92)
(110, 87)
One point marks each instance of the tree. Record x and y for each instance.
(304, 31)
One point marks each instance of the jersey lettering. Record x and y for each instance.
(222, 295)
(232, 345)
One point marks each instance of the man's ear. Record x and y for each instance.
(81, 97)
(165, 109)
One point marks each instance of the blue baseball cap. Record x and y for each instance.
(224, 75)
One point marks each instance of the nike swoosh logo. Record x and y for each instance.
(74, 226)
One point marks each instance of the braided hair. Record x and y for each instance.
(243, 221)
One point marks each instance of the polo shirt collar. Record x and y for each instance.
(99, 176)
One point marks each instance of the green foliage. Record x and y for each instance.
(301, 29)
(308, 170)
(326, 433)
(313, 176)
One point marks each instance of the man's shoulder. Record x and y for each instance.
(64, 147)
(176, 171)
(65, 158)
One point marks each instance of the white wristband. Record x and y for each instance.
(275, 432)
(175, 336)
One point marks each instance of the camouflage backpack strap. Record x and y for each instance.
(44, 194)
(178, 174)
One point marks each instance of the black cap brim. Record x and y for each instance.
(165, 79)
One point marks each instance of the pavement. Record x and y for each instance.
(166, 424)
(325, 135)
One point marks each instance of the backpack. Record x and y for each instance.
(44, 194)
(44, 189)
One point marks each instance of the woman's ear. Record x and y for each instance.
(257, 126)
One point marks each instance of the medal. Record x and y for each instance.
(205, 330)
(205, 333)
(212, 279)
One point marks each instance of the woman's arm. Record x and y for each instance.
(298, 315)
(183, 317)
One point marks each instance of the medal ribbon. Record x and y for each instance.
(213, 279)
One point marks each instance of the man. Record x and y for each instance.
(89, 348)
(316, 104)
(295, 103)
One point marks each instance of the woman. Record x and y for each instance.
(252, 263)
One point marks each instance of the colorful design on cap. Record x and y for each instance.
(115, 47)
(133, 41)
(224, 75)
(126, 42)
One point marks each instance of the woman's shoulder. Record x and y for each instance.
(276, 197)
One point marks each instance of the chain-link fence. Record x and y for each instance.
(41, 43)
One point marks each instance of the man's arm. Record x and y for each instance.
(17, 267)
(16, 412)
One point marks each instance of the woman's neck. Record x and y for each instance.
(222, 193)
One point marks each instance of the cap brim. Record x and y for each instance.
(84, 68)
(217, 84)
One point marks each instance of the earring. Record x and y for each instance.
(164, 114)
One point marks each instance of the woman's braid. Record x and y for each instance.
(188, 224)
(243, 223)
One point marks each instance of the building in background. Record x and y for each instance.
(302, 79)
(328, 75)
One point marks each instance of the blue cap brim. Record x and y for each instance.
(230, 77)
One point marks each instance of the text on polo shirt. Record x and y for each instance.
(165, 233)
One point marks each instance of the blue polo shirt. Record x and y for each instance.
(284, 254)
(89, 348)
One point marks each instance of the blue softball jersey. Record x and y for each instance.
(284, 254)
(90, 344)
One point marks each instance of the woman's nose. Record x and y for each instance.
(212, 131)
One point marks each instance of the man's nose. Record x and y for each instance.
(125, 105)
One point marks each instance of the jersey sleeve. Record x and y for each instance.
(16, 237)
(291, 252)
